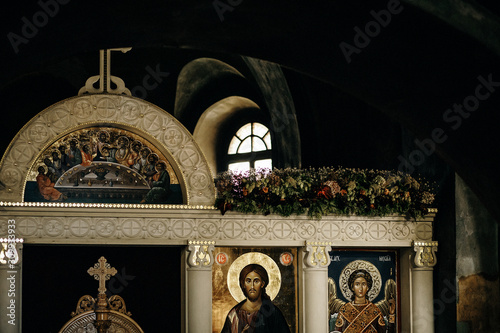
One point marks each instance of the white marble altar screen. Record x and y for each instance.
(191, 226)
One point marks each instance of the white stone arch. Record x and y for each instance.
(208, 126)
(146, 119)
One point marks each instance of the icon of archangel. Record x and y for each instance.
(360, 282)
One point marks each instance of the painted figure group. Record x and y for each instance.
(99, 147)
(130, 153)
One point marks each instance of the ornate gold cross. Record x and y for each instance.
(102, 271)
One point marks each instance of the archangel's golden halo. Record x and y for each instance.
(367, 266)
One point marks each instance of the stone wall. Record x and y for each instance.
(477, 264)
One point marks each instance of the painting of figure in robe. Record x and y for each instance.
(275, 272)
(104, 165)
(362, 291)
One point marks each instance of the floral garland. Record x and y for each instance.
(323, 191)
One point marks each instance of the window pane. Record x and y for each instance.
(259, 129)
(233, 146)
(245, 131)
(252, 137)
(267, 140)
(264, 164)
(246, 146)
(258, 144)
(239, 167)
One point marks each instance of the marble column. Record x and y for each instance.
(313, 299)
(10, 285)
(422, 304)
(198, 286)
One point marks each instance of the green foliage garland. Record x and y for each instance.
(323, 191)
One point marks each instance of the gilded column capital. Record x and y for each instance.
(10, 251)
(316, 254)
(425, 254)
(201, 254)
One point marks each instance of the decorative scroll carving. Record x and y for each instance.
(425, 254)
(88, 303)
(201, 254)
(317, 254)
(85, 303)
(117, 303)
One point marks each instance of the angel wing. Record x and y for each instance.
(334, 303)
(389, 298)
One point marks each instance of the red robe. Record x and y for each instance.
(46, 188)
(364, 318)
(86, 159)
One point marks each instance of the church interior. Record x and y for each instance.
(402, 85)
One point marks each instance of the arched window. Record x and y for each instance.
(249, 148)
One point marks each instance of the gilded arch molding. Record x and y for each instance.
(119, 110)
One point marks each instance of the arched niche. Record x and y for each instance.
(203, 82)
(136, 115)
(212, 120)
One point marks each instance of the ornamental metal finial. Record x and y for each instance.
(105, 78)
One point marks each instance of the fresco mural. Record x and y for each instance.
(280, 266)
(103, 165)
(363, 291)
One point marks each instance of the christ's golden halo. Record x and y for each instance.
(233, 275)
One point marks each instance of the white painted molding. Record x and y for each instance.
(177, 226)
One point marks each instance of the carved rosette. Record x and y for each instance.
(119, 110)
(316, 254)
(425, 254)
(201, 254)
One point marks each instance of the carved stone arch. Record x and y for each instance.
(214, 118)
(278, 100)
(201, 83)
(144, 118)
